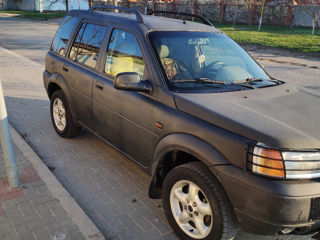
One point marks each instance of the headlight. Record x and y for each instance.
(283, 164)
(302, 164)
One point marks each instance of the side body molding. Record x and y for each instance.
(192, 145)
(57, 79)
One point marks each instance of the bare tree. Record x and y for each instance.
(236, 5)
(40, 6)
(261, 13)
(310, 9)
(315, 16)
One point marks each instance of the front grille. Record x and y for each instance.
(315, 209)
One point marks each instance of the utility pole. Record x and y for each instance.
(6, 143)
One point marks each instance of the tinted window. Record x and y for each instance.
(123, 54)
(75, 44)
(90, 44)
(63, 34)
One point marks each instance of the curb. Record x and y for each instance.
(84, 223)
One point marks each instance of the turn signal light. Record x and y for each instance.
(268, 162)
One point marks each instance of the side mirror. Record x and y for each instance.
(131, 81)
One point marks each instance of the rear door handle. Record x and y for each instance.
(99, 85)
(65, 68)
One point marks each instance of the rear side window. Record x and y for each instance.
(86, 46)
(75, 44)
(63, 34)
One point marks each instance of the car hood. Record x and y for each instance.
(281, 116)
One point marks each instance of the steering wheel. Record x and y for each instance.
(214, 66)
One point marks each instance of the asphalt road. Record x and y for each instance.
(111, 189)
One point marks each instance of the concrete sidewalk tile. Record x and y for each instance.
(12, 235)
(57, 210)
(16, 221)
(77, 236)
(134, 213)
(41, 233)
(168, 236)
(107, 217)
(44, 211)
(44, 199)
(24, 232)
(157, 219)
(143, 223)
(9, 205)
(151, 234)
(6, 227)
(27, 208)
(29, 190)
(130, 232)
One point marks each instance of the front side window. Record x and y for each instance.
(63, 34)
(203, 60)
(123, 54)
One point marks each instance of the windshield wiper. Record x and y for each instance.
(199, 80)
(248, 80)
(278, 82)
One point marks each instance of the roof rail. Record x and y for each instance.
(203, 19)
(139, 17)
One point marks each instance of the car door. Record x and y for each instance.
(124, 118)
(79, 68)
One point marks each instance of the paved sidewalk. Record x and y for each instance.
(33, 211)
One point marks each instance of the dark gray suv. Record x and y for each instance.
(226, 144)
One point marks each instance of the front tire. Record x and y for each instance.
(195, 204)
(61, 116)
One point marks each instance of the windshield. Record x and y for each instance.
(200, 60)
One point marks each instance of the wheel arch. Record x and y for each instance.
(176, 149)
(54, 82)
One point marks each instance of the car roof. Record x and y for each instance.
(152, 22)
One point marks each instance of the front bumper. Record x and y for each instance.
(267, 206)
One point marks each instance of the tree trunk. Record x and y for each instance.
(67, 5)
(260, 22)
(234, 17)
(313, 25)
(261, 15)
(40, 6)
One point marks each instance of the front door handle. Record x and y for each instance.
(65, 68)
(99, 85)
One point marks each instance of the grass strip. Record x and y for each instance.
(37, 15)
(298, 38)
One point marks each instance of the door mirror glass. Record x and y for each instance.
(131, 81)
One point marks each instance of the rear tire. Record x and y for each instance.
(195, 204)
(61, 116)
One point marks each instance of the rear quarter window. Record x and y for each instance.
(63, 34)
